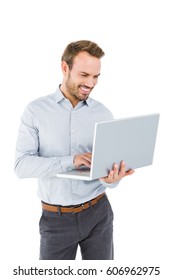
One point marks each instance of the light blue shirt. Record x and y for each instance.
(51, 133)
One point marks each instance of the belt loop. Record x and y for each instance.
(59, 210)
(90, 203)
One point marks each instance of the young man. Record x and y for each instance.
(56, 134)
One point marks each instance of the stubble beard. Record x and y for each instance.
(74, 90)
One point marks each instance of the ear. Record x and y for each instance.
(64, 67)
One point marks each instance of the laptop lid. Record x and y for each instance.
(129, 139)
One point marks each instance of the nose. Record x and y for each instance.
(90, 82)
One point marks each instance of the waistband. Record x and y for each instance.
(72, 209)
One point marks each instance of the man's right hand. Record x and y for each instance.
(82, 159)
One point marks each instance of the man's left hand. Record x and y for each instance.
(117, 173)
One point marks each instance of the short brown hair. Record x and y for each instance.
(74, 48)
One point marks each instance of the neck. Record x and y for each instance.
(74, 101)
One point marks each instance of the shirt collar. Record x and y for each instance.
(59, 96)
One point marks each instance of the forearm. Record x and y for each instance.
(31, 166)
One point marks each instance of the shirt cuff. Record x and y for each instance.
(67, 163)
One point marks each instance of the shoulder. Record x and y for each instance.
(41, 102)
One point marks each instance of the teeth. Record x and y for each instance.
(85, 89)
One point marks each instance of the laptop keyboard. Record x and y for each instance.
(79, 172)
(83, 172)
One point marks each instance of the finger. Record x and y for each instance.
(89, 154)
(87, 157)
(115, 167)
(86, 163)
(111, 175)
(82, 159)
(122, 169)
(115, 170)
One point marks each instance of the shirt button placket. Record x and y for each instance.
(73, 134)
(73, 144)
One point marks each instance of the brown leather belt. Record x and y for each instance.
(73, 209)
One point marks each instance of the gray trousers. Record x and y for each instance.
(91, 229)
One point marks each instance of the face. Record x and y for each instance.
(81, 79)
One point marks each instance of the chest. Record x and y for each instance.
(59, 132)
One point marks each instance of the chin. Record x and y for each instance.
(83, 97)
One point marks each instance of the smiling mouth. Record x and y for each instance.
(85, 90)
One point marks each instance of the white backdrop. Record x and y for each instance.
(136, 78)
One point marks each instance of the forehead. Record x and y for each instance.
(86, 63)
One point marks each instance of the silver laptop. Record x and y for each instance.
(129, 139)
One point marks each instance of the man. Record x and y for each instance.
(56, 134)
